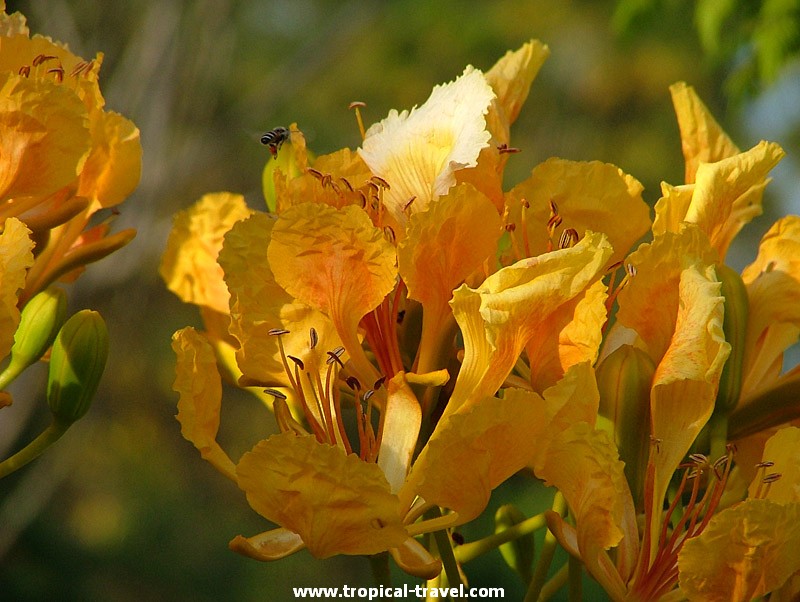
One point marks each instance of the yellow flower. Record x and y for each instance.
(64, 156)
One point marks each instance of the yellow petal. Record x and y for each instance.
(259, 305)
(337, 262)
(443, 246)
(512, 306)
(337, 503)
(415, 560)
(671, 208)
(745, 552)
(45, 138)
(401, 423)
(773, 288)
(200, 388)
(783, 448)
(589, 196)
(418, 152)
(16, 256)
(649, 302)
(473, 451)
(270, 545)
(727, 194)
(114, 166)
(702, 139)
(686, 379)
(575, 334)
(584, 465)
(189, 265)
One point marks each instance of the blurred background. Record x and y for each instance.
(123, 508)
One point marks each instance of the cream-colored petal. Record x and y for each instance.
(270, 545)
(418, 152)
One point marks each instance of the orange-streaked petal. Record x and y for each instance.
(745, 552)
(649, 302)
(16, 256)
(512, 306)
(336, 261)
(589, 196)
(270, 545)
(200, 387)
(686, 379)
(259, 305)
(114, 166)
(337, 503)
(702, 138)
(773, 288)
(575, 334)
(189, 265)
(418, 152)
(443, 246)
(510, 79)
(783, 448)
(727, 194)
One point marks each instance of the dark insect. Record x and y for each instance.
(275, 138)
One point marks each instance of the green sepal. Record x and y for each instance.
(734, 325)
(77, 362)
(40, 320)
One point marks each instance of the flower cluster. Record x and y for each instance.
(422, 334)
(63, 159)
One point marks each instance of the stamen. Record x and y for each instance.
(59, 73)
(298, 362)
(276, 332)
(525, 205)
(379, 383)
(313, 338)
(353, 383)
(275, 393)
(24, 71)
(356, 106)
(42, 58)
(506, 149)
(511, 228)
(380, 182)
(408, 204)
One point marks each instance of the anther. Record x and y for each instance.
(24, 71)
(380, 182)
(313, 338)
(39, 59)
(317, 174)
(631, 270)
(767, 464)
(400, 316)
(388, 234)
(506, 149)
(368, 394)
(58, 72)
(332, 357)
(379, 383)
(771, 477)
(276, 332)
(298, 362)
(353, 383)
(408, 204)
(568, 238)
(510, 227)
(275, 393)
(346, 184)
(356, 103)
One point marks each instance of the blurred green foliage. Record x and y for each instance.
(123, 508)
(750, 41)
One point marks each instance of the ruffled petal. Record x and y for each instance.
(337, 503)
(16, 256)
(589, 196)
(744, 552)
(418, 152)
(200, 387)
(189, 264)
(337, 262)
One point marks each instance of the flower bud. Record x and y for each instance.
(518, 554)
(76, 365)
(734, 325)
(39, 322)
(624, 379)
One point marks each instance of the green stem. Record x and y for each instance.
(445, 546)
(379, 563)
(546, 556)
(34, 449)
(470, 551)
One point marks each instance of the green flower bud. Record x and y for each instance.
(624, 379)
(39, 322)
(76, 365)
(734, 324)
(518, 554)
